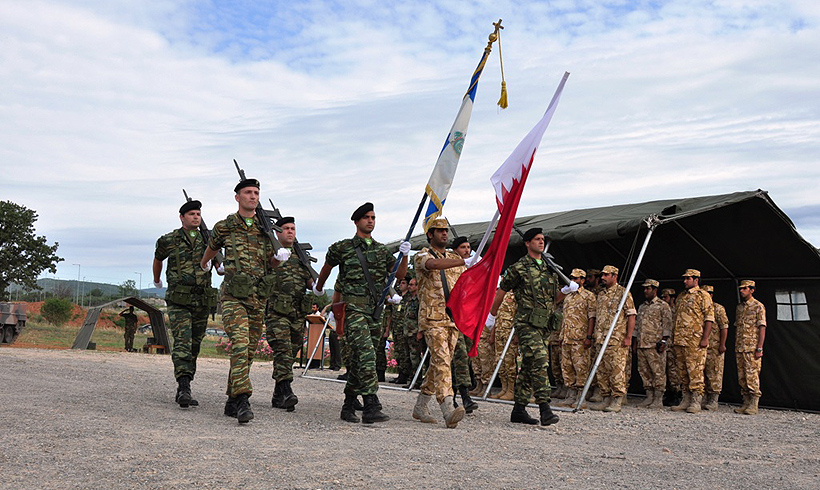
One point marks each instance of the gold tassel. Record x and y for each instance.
(502, 102)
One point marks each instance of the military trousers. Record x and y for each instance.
(652, 368)
(379, 345)
(691, 362)
(713, 371)
(574, 364)
(532, 380)
(508, 369)
(359, 352)
(612, 370)
(129, 337)
(416, 347)
(401, 352)
(461, 362)
(442, 342)
(188, 325)
(242, 320)
(484, 363)
(285, 337)
(748, 373)
(672, 376)
(555, 363)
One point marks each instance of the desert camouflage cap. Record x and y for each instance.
(651, 282)
(610, 269)
(708, 289)
(440, 223)
(747, 283)
(593, 272)
(691, 272)
(668, 291)
(578, 273)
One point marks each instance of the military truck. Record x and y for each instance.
(12, 321)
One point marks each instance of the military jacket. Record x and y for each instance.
(750, 316)
(411, 316)
(245, 244)
(579, 307)
(184, 251)
(351, 282)
(606, 307)
(721, 323)
(555, 336)
(432, 305)
(506, 312)
(654, 321)
(535, 288)
(693, 308)
(291, 287)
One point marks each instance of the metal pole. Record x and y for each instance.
(418, 370)
(77, 299)
(138, 290)
(319, 341)
(498, 366)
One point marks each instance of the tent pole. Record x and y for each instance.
(498, 365)
(651, 223)
(710, 254)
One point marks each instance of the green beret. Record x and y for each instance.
(190, 205)
(285, 220)
(246, 183)
(361, 211)
(530, 234)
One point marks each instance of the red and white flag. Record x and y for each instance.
(472, 296)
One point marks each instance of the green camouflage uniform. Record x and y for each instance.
(130, 329)
(461, 362)
(189, 295)
(401, 350)
(388, 321)
(285, 316)
(535, 288)
(411, 327)
(359, 322)
(242, 318)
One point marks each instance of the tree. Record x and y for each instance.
(23, 255)
(57, 311)
(96, 293)
(128, 288)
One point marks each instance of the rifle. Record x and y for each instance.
(268, 227)
(206, 234)
(548, 258)
(299, 248)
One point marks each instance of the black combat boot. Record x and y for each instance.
(183, 397)
(373, 410)
(243, 409)
(357, 405)
(276, 399)
(402, 379)
(519, 415)
(547, 417)
(348, 409)
(230, 407)
(469, 404)
(380, 375)
(289, 399)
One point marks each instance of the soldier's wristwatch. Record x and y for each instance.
(759, 349)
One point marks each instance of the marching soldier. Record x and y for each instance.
(461, 361)
(576, 337)
(750, 321)
(400, 348)
(715, 354)
(415, 340)
(653, 328)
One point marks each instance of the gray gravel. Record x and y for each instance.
(84, 419)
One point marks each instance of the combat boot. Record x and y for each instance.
(615, 404)
(684, 403)
(469, 404)
(745, 405)
(657, 402)
(650, 396)
(498, 395)
(289, 399)
(478, 390)
(452, 416)
(421, 412)
(230, 407)
(711, 402)
(380, 375)
(547, 417)
(605, 401)
(373, 410)
(400, 379)
(183, 397)
(508, 395)
(694, 406)
(560, 392)
(243, 409)
(349, 410)
(571, 400)
(276, 399)
(596, 396)
(751, 409)
(357, 405)
(519, 415)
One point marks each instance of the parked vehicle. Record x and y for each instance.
(12, 321)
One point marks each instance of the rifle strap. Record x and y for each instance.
(367, 277)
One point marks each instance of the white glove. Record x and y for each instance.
(471, 261)
(158, 284)
(490, 323)
(404, 248)
(318, 292)
(207, 266)
(221, 269)
(570, 288)
(394, 300)
(282, 255)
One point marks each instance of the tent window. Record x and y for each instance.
(792, 306)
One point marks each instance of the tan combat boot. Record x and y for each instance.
(745, 405)
(650, 394)
(509, 395)
(615, 404)
(479, 389)
(657, 401)
(752, 408)
(452, 416)
(421, 412)
(496, 396)
(684, 403)
(605, 401)
(560, 392)
(595, 397)
(571, 400)
(711, 402)
(694, 406)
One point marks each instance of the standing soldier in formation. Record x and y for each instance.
(653, 328)
(415, 341)
(461, 361)
(750, 322)
(500, 331)
(576, 337)
(714, 354)
(694, 315)
(189, 296)
(612, 370)
(554, 349)
(593, 285)
(249, 257)
(130, 328)
(673, 383)
(536, 294)
(364, 265)
(400, 352)
(285, 316)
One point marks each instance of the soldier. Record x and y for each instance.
(593, 285)
(437, 270)
(576, 337)
(499, 333)
(249, 258)
(130, 328)
(750, 322)
(653, 328)
(593, 281)
(612, 370)
(674, 389)
(554, 350)
(694, 315)
(713, 372)
(461, 361)
(536, 294)
(415, 340)
(285, 316)
(190, 296)
(364, 265)
(400, 351)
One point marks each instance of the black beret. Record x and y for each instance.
(189, 205)
(361, 211)
(458, 241)
(530, 234)
(246, 183)
(285, 220)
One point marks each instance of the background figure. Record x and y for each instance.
(713, 372)
(130, 328)
(653, 328)
(498, 337)
(750, 321)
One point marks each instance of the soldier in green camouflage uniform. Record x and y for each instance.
(190, 296)
(249, 257)
(130, 328)
(285, 316)
(713, 371)
(462, 382)
(415, 341)
(400, 347)
(536, 293)
(361, 298)
(381, 334)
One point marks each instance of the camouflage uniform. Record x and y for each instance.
(483, 365)
(612, 370)
(535, 288)
(401, 349)
(653, 323)
(749, 318)
(189, 295)
(461, 362)
(248, 252)
(692, 309)
(411, 328)
(285, 316)
(360, 325)
(439, 330)
(389, 317)
(554, 348)
(714, 359)
(579, 307)
(503, 328)
(130, 329)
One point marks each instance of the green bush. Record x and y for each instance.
(57, 311)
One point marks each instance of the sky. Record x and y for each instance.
(110, 108)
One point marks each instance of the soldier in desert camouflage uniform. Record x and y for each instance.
(673, 383)
(713, 372)
(653, 328)
(594, 286)
(554, 350)
(750, 322)
(576, 337)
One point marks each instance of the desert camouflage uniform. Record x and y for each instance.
(579, 307)
(503, 328)
(750, 316)
(692, 309)
(360, 326)
(673, 380)
(612, 370)
(439, 330)
(187, 283)
(535, 288)
(249, 247)
(713, 371)
(285, 316)
(653, 323)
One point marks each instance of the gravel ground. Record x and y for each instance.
(84, 419)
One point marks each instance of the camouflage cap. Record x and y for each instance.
(593, 272)
(691, 272)
(610, 269)
(578, 273)
(708, 289)
(669, 291)
(651, 282)
(747, 283)
(441, 223)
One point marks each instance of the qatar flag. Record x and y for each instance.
(472, 296)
